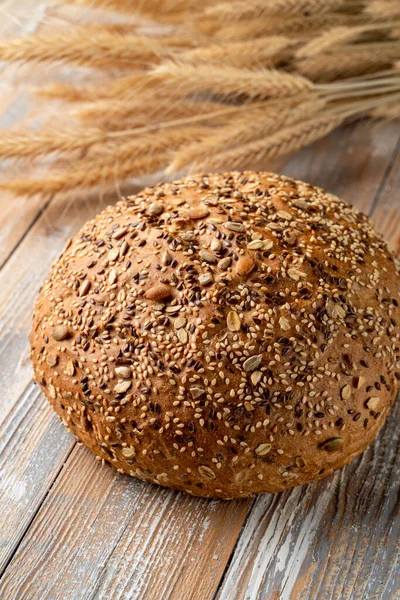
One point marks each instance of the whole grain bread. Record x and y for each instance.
(225, 335)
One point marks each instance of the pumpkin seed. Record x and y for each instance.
(251, 363)
(263, 449)
(332, 444)
(206, 472)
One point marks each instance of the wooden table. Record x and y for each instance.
(72, 530)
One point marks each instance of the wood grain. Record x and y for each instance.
(71, 529)
(153, 545)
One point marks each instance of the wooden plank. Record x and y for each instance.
(337, 538)
(33, 447)
(108, 512)
(168, 567)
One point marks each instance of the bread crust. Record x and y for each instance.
(225, 335)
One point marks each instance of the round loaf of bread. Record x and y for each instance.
(225, 335)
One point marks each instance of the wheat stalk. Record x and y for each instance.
(282, 143)
(111, 114)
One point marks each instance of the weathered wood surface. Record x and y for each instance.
(70, 529)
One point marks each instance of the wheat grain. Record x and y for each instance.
(383, 9)
(282, 143)
(254, 124)
(254, 9)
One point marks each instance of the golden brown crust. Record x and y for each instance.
(225, 335)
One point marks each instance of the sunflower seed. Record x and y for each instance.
(160, 291)
(284, 324)
(224, 263)
(332, 444)
(300, 203)
(128, 452)
(245, 265)
(215, 245)
(205, 279)
(113, 254)
(123, 249)
(183, 336)
(84, 288)
(120, 233)
(166, 258)
(123, 372)
(255, 245)
(154, 209)
(197, 392)
(345, 392)
(122, 386)
(52, 360)
(256, 377)
(300, 462)
(60, 332)
(232, 226)
(206, 472)
(112, 277)
(180, 322)
(233, 321)
(70, 369)
(198, 213)
(249, 407)
(373, 403)
(359, 382)
(207, 257)
(295, 274)
(282, 214)
(263, 449)
(251, 363)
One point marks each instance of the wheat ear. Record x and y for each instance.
(349, 61)
(228, 82)
(336, 36)
(82, 48)
(245, 54)
(282, 143)
(99, 174)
